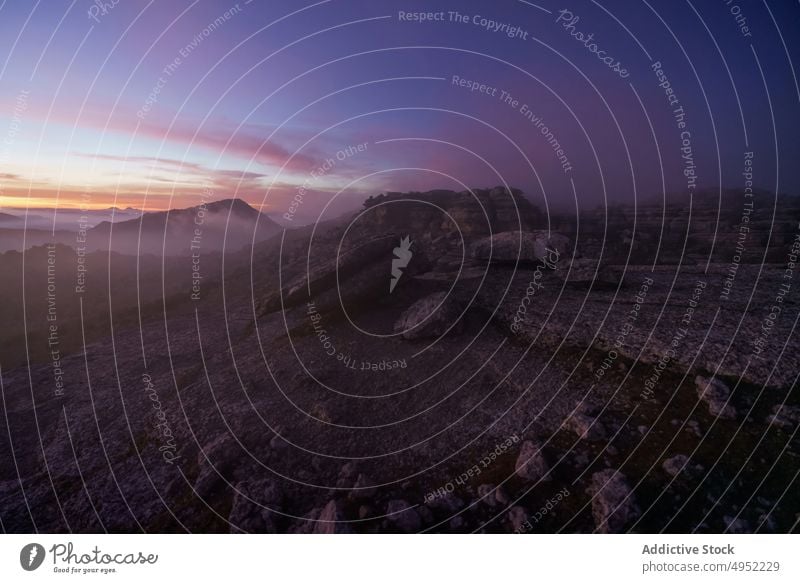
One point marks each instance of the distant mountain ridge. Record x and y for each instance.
(224, 225)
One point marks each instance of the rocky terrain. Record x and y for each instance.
(523, 373)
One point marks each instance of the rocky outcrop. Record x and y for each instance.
(430, 317)
(520, 247)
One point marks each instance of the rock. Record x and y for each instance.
(785, 416)
(519, 247)
(677, 464)
(456, 523)
(347, 475)
(584, 426)
(502, 496)
(518, 518)
(736, 525)
(531, 464)
(716, 394)
(694, 427)
(492, 495)
(403, 516)
(765, 523)
(430, 317)
(613, 505)
(331, 520)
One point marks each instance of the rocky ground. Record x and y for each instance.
(512, 381)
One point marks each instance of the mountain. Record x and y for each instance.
(226, 225)
(7, 220)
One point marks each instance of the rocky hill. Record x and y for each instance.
(436, 362)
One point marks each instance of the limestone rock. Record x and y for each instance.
(613, 505)
(531, 464)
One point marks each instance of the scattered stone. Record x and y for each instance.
(678, 463)
(613, 504)
(347, 475)
(502, 496)
(331, 520)
(456, 523)
(531, 464)
(785, 416)
(517, 517)
(492, 495)
(585, 426)
(403, 516)
(736, 525)
(765, 523)
(693, 426)
(513, 247)
(716, 394)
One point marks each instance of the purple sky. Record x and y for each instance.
(147, 104)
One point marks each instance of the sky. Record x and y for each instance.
(156, 105)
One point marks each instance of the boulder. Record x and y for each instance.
(492, 495)
(679, 464)
(331, 520)
(716, 394)
(518, 519)
(531, 464)
(430, 317)
(613, 504)
(403, 516)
